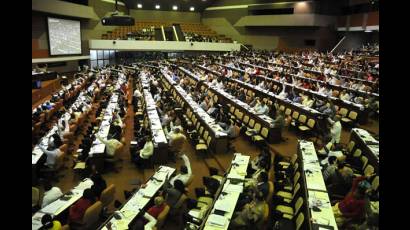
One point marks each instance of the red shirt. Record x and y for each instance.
(154, 211)
(350, 206)
(78, 209)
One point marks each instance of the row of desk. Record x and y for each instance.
(347, 77)
(226, 98)
(137, 203)
(360, 109)
(150, 110)
(309, 112)
(61, 92)
(314, 189)
(81, 100)
(368, 144)
(219, 143)
(97, 150)
(58, 207)
(328, 84)
(228, 195)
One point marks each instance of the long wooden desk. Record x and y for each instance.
(97, 150)
(361, 110)
(309, 112)
(227, 197)
(368, 144)
(219, 143)
(150, 110)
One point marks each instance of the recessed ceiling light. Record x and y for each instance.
(139, 6)
(157, 6)
(191, 8)
(175, 7)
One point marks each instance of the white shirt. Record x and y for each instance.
(51, 155)
(147, 151)
(335, 131)
(183, 177)
(151, 221)
(51, 195)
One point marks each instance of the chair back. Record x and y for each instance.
(270, 192)
(162, 216)
(265, 132)
(357, 153)
(302, 118)
(350, 146)
(364, 161)
(296, 178)
(311, 123)
(353, 115)
(35, 196)
(343, 112)
(257, 127)
(298, 204)
(295, 115)
(296, 189)
(107, 196)
(369, 169)
(246, 119)
(251, 123)
(299, 220)
(375, 183)
(92, 214)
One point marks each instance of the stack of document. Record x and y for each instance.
(233, 188)
(217, 220)
(54, 207)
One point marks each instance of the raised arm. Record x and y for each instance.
(187, 163)
(151, 221)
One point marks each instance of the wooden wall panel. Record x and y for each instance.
(356, 19)
(373, 19)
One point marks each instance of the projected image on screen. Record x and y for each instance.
(64, 36)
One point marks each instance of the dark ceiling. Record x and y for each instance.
(183, 5)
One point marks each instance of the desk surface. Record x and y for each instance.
(37, 152)
(228, 201)
(140, 199)
(358, 106)
(238, 102)
(59, 205)
(317, 192)
(216, 128)
(98, 147)
(367, 140)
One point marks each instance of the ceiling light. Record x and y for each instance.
(175, 7)
(367, 31)
(157, 6)
(139, 6)
(191, 8)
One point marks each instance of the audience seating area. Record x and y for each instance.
(144, 30)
